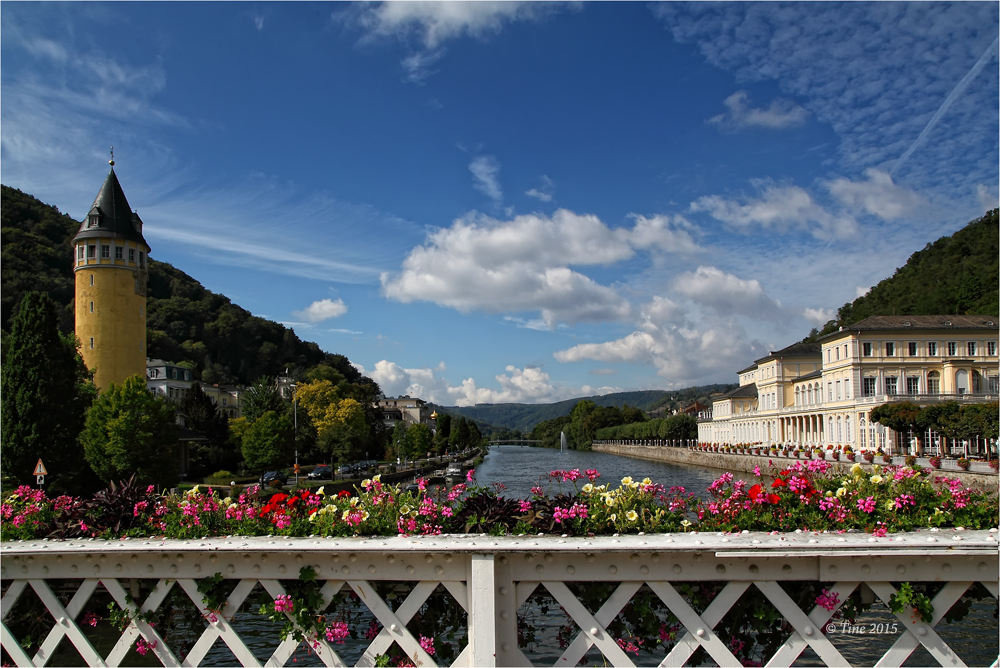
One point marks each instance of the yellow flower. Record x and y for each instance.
(588, 488)
(355, 500)
(377, 478)
(405, 510)
(876, 479)
(633, 485)
(647, 481)
(856, 469)
(610, 500)
(346, 513)
(193, 490)
(685, 523)
(829, 493)
(321, 491)
(627, 480)
(890, 505)
(366, 483)
(631, 516)
(614, 517)
(841, 491)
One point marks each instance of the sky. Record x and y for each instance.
(496, 202)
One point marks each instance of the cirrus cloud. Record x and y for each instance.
(739, 115)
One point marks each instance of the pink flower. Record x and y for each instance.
(524, 506)
(422, 484)
(756, 470)
(427, 644)
(537, 490)
(469, 475)
(142, 646)
(337, 632)
(593, 475)
(90, 618)
(373, 630)
(828, 600)
(284, 603)
(867, 505)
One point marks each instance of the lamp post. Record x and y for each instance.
(295, 433)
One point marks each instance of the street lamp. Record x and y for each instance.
(295, 434)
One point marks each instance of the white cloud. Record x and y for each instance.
(527, 385)
(988, 196)
(877, 195)
(543, 193)
(486, 174)
(779, 207)
(671, 234)
(781, 114)
(819, 316)
(321, 310)
(727, 294)
(258, 22)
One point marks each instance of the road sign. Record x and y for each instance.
(40, 469)
(40, 479)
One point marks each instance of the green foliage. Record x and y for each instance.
(268, 441)
(675, 427)
(213, 593)
(45, 391)
(204, 417)
(905, 598)
(131, 430)
(951, 419)
(548, 431)
(956, 274)
(418, 441)
(460, 434)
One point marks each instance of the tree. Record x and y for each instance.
(459, 438)
(680, 426)
(442, 433)
(475, 436)
(340, 423)
(632, 414)
(131, 430)
(577, 431)
(261, 397)
(204, 417)
(45, 390)
(268, 441)
(399, 439)
(901, 417)
(418, 441)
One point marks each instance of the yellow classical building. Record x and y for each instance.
(822, 393)
(110, 263)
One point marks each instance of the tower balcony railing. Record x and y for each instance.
(492, 579)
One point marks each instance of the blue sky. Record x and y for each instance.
(494, 202)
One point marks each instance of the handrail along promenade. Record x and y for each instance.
(492, 577)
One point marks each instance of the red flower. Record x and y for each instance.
(778, 482)
(343, 494)
(773, 498)
(755, 491)
(278, 498)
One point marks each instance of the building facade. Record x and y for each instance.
(405, 409)
(823, 393)
(110, 266)
(174, 381)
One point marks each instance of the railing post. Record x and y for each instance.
(482, 611)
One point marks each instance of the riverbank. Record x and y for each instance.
(747, 463)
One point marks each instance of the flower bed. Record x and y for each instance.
(804, 495)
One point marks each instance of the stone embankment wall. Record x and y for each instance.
(747, 463)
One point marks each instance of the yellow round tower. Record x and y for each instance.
(111, 266)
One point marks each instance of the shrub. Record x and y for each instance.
(868, 456)
(963, 463)
(910, 460)
(850, 456)
(836, 455)
(886, 459)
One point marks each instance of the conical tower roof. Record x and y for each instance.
(114, 216)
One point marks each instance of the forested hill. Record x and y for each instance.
(525, 416)
(185, 322)
(955, 275)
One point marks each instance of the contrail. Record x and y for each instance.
(956, 91)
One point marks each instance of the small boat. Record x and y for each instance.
(454, 470)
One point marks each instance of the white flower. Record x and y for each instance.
(876, 479)
(856, 469)
(405, 510)
(627, 480)
(631, 516)
(588, 488)
(614, 517)
(321, 491)
(841, 491)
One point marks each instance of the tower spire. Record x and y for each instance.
(112, 160)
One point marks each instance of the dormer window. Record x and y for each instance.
(93, 220)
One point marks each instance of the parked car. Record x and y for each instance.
(346, 469)
(271, 476)
(321, 473)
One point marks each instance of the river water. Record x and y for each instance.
(521, 467)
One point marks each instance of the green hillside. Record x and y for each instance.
(185, 322)
(525, 416)
(955, 275)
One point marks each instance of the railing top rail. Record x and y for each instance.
(806, 543)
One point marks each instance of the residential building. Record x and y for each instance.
(406, 409)
(823, 393)
(173, 382)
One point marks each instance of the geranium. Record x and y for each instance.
(337, 632)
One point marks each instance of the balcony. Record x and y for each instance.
(492, 578)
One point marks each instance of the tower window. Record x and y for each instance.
(119, 252)
(142, 259)
(140, 344)
(93, 220)
(91, 279)
(131, 255)
(91, 251)
(79, 252)
(91, 343)
(140, 311)
(91, 307)
(105, 252)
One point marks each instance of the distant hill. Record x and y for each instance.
(955, 275)
(185, 322)
(525, 416)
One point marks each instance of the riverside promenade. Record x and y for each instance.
(746, 463)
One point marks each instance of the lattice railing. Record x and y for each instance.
(492, 578)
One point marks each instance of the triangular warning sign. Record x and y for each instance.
(40, 469)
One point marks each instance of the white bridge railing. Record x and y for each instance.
(491, 578)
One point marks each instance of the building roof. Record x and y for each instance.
(743, 391)
(945, 322)
(818, 373)
(116, 218)
(794, 350)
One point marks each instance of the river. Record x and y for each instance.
(519, 468)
